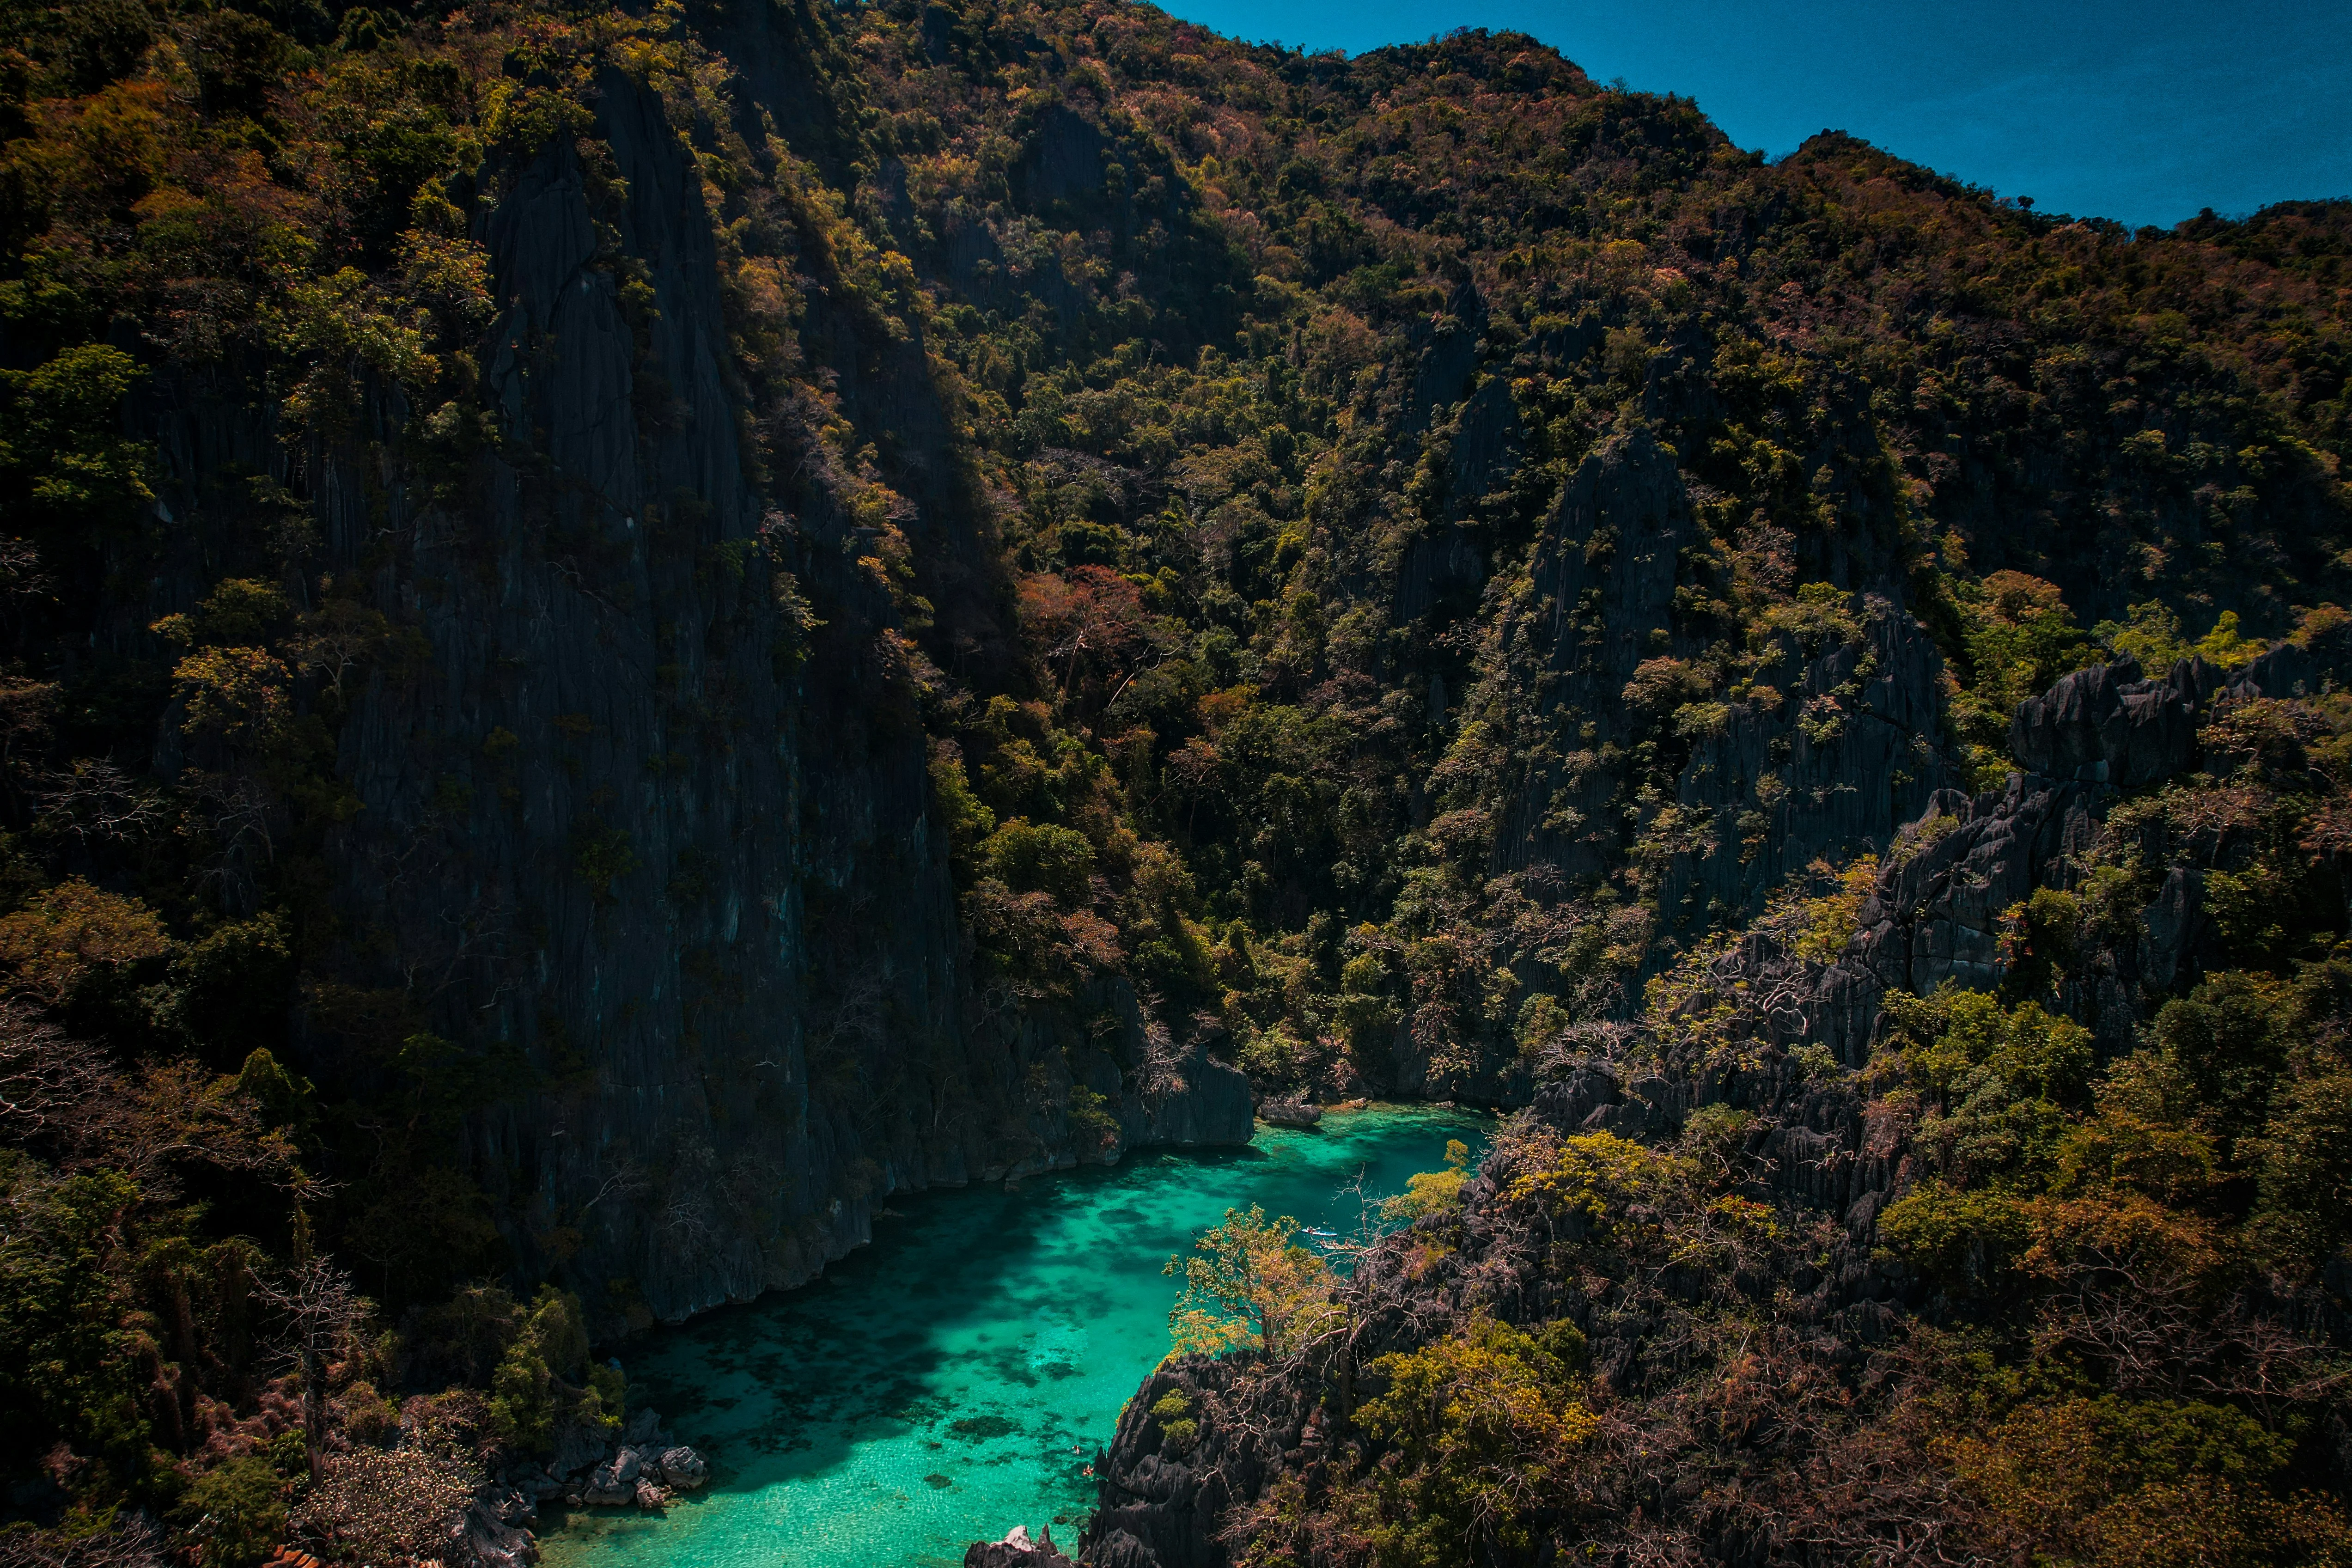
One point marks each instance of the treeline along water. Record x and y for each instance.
(955, 1378)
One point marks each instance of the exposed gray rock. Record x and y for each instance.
(1169, 1504)
(1936, 916)
(1607, 560)
(508, 1504)
(2107, 725)
(615, 1482)
(579, 1447)
(1068, 160)
(1826, 756)
(1446, 351)
(1440, 568)
(1853, 751)
(1120, 1549)
(1487, 439)
(2174, 922)
(684, 1469)
(1210, 1104)
(2285, 670)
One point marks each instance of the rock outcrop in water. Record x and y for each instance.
(1016, 1551)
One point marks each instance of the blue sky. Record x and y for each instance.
(2141, 113)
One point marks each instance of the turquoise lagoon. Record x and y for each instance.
(956, 1377)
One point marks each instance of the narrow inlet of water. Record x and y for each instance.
(955, 1378)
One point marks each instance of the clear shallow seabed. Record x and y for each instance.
(955, 1378)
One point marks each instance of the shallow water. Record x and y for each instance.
(955, 1378)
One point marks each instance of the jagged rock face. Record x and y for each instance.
(2107, 725)
(1596, 694)
(1935, 916)
(1163, 1501)
(1854, 752)
(481, 1538)
(1606, 561)
(578, 1448)
(668, 989)
(1825, 753)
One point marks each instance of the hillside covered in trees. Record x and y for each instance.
(623, 631)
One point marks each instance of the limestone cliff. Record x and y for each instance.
(627, 828)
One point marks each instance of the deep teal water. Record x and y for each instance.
(954, 1379)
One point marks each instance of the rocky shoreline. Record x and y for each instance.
(1207, 1103)
(644, 1468)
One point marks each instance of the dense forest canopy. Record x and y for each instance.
(1400, 573)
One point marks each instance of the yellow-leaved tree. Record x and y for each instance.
(1249, 1285)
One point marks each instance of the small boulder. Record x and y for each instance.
(684, 1469)
(1291, 1114)
(615, 1484)
(651, 1498)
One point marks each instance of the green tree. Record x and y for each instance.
(61, 440)
(232, 1516)
(67, 1366)
(545, 1377)
(1040, 858)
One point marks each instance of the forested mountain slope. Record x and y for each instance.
(1981, 1203)
(627, 630)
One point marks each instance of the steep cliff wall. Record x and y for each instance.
(659, 857)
